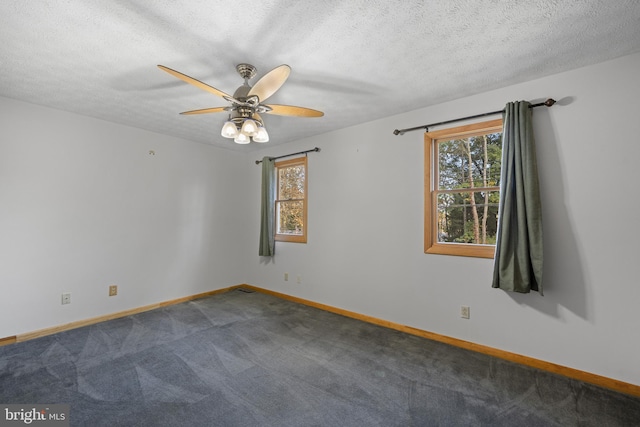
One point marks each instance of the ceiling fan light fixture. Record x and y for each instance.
(242, 139)
(229, 130)
(244, 124)
(261, 135)
(249, 127)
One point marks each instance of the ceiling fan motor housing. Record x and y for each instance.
(246, 111)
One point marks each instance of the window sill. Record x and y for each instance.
(292, 238)
(458, 249)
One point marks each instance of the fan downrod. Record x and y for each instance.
(247, 71)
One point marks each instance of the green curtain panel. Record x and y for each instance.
(267, 235)
(518, 259)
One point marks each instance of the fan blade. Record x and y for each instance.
(193, 81)
(270, 82)
(290, 110)
(206, 110)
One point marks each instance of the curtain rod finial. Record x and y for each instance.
(549, 102)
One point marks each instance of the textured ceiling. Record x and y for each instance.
(356, 60)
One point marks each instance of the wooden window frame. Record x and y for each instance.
(431, 244)
(299, 238)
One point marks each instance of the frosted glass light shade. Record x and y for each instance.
(249, 127)
(229, 130)
(261, 135)
(242, 139)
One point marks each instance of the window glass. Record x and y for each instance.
(291, 200)
(462, 189)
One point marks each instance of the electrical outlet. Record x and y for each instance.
(66, 298)
(113, 290)
(299, 280)
(464, 311)
(286, 277)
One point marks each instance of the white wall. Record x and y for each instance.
(365, 248)
(84, 205)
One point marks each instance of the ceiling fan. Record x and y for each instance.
(247, 103)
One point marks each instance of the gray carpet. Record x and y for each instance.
(249, 359)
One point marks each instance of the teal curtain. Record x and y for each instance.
(267, 234)
(518, 259)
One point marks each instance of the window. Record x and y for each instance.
(291, 200)
(462, 189)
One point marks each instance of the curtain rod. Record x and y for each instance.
(289, 155)
(549, 102)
